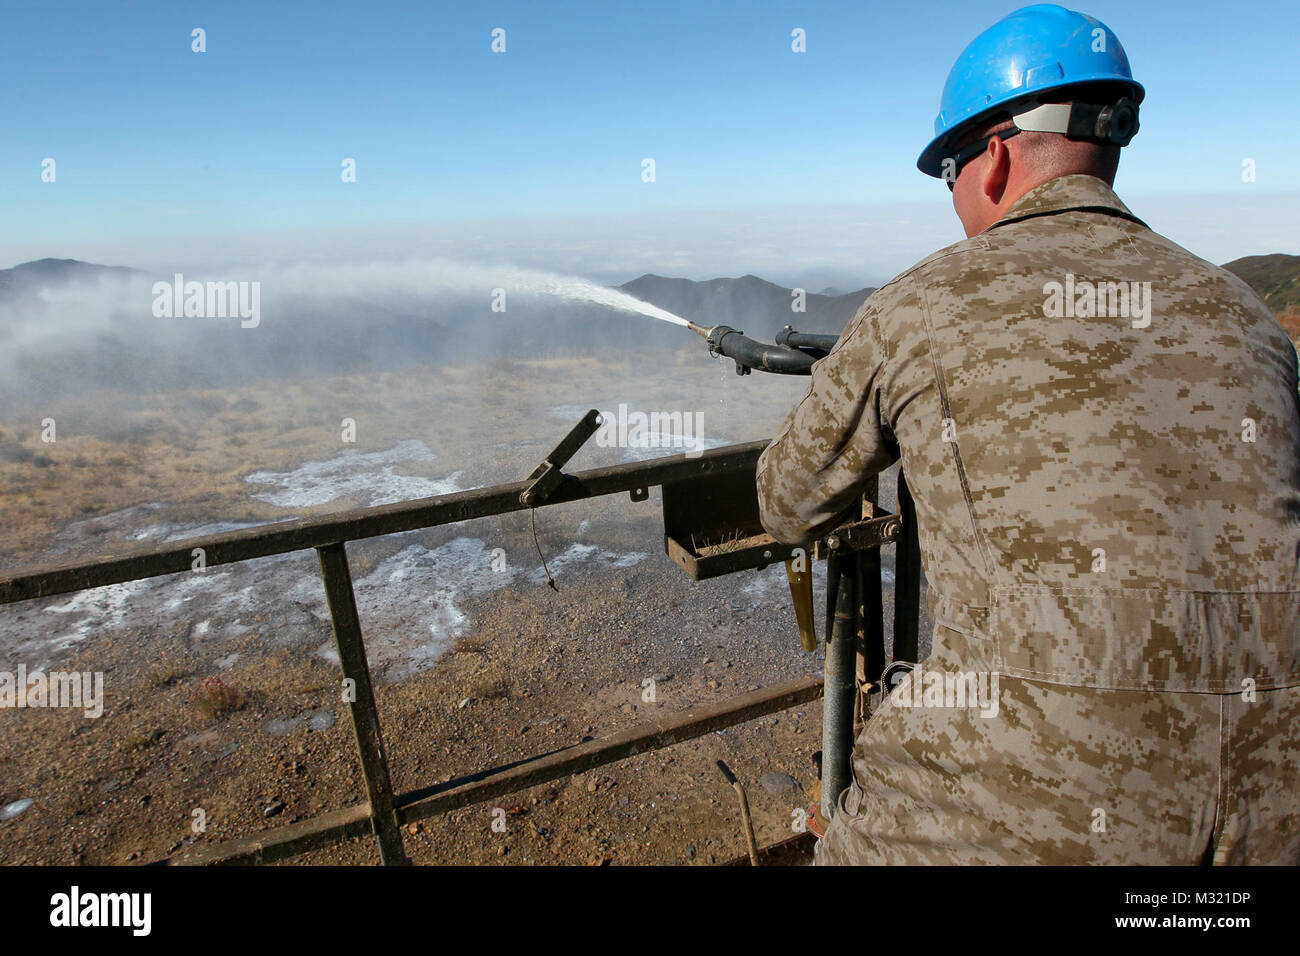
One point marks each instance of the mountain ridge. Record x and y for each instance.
(47, 269)
(1274, 277)
(749, 302)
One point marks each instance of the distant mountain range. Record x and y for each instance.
(755, 305)
(59, 336)
(762, 308)
(1275, 278)
(41, 272)
(750, 304)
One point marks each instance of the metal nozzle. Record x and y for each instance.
(698, 329)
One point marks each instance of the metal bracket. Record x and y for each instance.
(858, 535)
(547, 476)
(715, 337)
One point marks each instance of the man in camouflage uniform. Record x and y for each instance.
(1107, 497)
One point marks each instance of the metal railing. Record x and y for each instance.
(384, 812)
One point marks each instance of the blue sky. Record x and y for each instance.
(160, 148)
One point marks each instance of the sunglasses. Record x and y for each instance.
(966, 154)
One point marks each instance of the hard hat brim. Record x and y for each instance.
(931, 159)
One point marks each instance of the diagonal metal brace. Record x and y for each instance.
(547, 476)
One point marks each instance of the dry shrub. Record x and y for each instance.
(487, 687)
(214, 698)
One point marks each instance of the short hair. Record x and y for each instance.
(1055, 151)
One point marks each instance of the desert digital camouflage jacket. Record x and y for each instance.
(1102, 435)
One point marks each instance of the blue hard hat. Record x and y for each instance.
(1035, 49)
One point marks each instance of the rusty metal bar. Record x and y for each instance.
(23, 584)
(365, 716)
(841, 686)
(339, 825)
(673, 729)
(282, 843)
(746, 821)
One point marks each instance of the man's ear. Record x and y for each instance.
(996, 171)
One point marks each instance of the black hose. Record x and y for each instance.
(748, 354)
(816, 341)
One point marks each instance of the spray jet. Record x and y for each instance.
(793, 354)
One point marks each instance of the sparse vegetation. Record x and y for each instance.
(139, 740)
(213, 698)
(164, 675)
(488, 686)
(735, 541)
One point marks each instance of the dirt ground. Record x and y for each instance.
(243, 727)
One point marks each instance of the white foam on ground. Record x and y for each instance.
(582, 554)
(411, 603)
(104, 607)
(214, 587)
(37, 632)
(415, 598)
(370, 476)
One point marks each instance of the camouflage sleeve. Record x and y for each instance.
(833, 442)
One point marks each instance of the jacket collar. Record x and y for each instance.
(1064, 193)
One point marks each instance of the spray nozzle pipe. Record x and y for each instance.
(749, 354)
